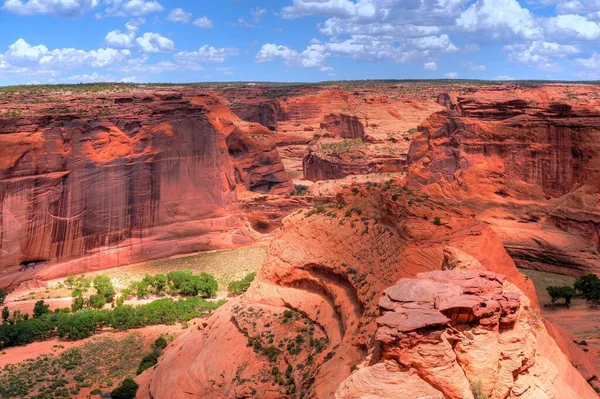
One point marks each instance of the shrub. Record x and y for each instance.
(96, 301)
(160, 343)
(3, 295)
(300, 189)
(184, 282)
(588, 286)
(104, 287)
(40, 309)
(148, 361)
(127, 390)
(477, 390)
(437, 221)
(240, 286)
(5, 314)
(565, 292)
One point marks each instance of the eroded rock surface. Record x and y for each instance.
(528, 161)
(314, 306)
(143, 176)
(450, 334)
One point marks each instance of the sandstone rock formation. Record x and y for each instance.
(140, 177)
(528, 161)
(314, 306)
(454, 334)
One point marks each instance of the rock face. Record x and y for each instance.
(452, 334)
(143, 177)
(345, 126)
(331, 161)
(314, 306)
(529, 163)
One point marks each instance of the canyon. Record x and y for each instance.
(396, 216)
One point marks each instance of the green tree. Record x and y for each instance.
(3, 295)
(96, 301)
(127, 390)
(159, 284)
(77, 304)
(565, 292)
(147, 361)
(240, 286)
(40, 308)
(160, 343)
(588, 286)
(104, 287)
(5, 314)
(184, 282)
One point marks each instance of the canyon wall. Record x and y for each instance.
(139, 178)
(529, 163)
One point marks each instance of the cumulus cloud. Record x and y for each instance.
(136, 8)
(119, 39)
(205, 54)
(592, 62)
(451, 75)
(499, 18)
(430, 66)
(151, 42)
(539, 54)
(39, 57)
(58, 8)
(203, 22)
(179, 15)
(313, 56)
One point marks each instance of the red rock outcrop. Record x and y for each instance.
(457, 333)
(142, 176)
(336, 160)
(528, 161)
(313, 308)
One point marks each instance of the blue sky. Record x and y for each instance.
(72, 41)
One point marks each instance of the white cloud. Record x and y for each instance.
(475, 67)
(151, 42)
(58, 8)
(451, 75)
(179, 15)
(504, 77)
(39, 58)
(591, 63)
(203, 22)
(119, 39)
(573, 27)
(539, 54)
(87, 78)
(313, 56)
(136, 8)
(205, 54)
(430, 66)
(499, 18)
(340, 8)
(257, 14)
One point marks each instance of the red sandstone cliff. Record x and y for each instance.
(141, 177)
(529, 163)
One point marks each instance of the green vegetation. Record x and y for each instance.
(565, 292)
(477, 390)
(437, 221)
(341, 146)
(85, 322)
(240, 286)
(3, 295)
(589, 287)
(127, 390)
(300, 190)
(40, 308)
(184, 282)
(104, 287)
(96, 365)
